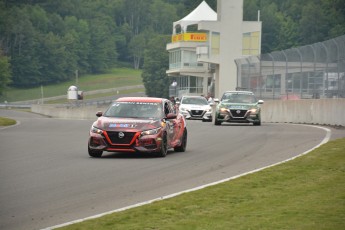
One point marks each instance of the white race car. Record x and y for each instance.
(195, 107)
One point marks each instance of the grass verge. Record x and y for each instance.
(100, 95)
(117, 77)
(6, 121)
(306, 193)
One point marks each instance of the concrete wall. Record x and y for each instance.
(68, 112)
(309, 111)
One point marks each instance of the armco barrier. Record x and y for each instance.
(68, 112)
(308, 111)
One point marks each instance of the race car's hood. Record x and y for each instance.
(194, 107)
(126, 124)
(238, 105)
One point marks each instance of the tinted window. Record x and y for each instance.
(194, 101)
(239, 98)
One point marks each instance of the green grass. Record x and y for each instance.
(115, 78)
(99, 95)
(306, 193)
(6, 121)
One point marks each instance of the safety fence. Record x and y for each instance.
(311, 71)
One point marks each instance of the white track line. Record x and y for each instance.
(325, 140)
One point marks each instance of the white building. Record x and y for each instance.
(204, 47)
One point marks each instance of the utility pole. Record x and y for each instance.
(42, 96)
(76, 78)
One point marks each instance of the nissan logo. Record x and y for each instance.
(121, 135)
(238, 111)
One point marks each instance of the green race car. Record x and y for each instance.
(239, 107)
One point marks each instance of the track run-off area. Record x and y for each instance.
(47, 177)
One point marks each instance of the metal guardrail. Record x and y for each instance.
(15, 106)
(311, 71)
(76, 103)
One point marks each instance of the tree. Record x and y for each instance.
(57, 65)
(313, 24)
(136, 48)
(270, 28)
(5, 72)
(162, 17)
(156, 62)
(103, 53)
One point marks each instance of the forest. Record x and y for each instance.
(44, 42)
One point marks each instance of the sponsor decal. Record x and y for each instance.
(120, 125)
(195, 37)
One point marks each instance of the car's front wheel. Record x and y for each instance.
(95, 153)
(182, 147)
(164, 146)
(216, 122)
(257, 123)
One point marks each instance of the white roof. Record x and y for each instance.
(202, 13)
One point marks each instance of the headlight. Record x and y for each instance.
(96, 130)
(151, 131)
(182, 109)
(209, 110)
(223, 109)
(254, 111)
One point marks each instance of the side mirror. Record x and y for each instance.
(260, 102)
(216, 100)
(171, 116)
(99, 114)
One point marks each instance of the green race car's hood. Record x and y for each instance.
(244, 106)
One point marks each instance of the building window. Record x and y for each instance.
(251, 43)
(190, 85)
(175, 59)
(215, 41)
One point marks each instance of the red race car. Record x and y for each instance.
(138, 124)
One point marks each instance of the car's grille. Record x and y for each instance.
(115, 139)
(196, 112)
(238, 112)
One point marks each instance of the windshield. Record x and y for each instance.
(135, 110)
(239, 98)
(194, 101)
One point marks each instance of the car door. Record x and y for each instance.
(175, 125)
(169, 123)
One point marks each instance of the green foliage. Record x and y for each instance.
(6, 121)
(5, 72)
(114, 78)
(46, 41)
(154, 70)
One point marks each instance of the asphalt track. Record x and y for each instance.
(47, 177)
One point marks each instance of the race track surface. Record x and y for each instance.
(47, 177)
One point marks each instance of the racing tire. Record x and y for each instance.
(216, 122)
(164, 146)
(95, 153)
(182, 147)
